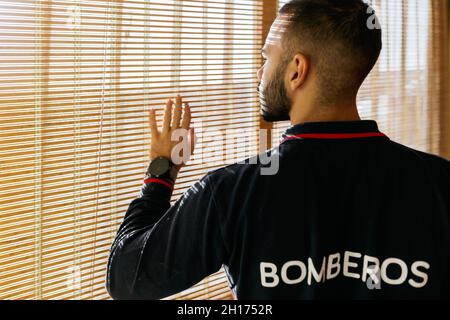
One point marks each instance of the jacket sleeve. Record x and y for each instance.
(161, 250)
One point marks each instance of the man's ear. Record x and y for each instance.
(298, 71)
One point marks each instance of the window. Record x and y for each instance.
(399, 92)
(77, 78)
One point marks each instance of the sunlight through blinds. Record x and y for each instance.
(76, 80)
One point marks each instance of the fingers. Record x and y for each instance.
(186, 123)
(167, 116)
(178, 116)
(177, 112)
(152, 123)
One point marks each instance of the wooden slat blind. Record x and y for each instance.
(76, 80)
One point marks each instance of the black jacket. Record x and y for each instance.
(349, 214)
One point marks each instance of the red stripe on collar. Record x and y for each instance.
(335, 136)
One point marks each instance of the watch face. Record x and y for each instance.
(159, 166)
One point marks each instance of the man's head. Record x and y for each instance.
(318, 53)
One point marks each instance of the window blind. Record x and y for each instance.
(76, 80)
(407, 91)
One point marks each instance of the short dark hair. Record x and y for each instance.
(336, 36)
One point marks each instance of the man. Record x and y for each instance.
(348, 214)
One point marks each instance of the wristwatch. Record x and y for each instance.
(162, 167)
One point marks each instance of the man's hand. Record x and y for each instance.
(161, 142)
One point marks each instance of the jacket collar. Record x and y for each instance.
(333, 131)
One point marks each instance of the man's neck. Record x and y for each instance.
(337, 113)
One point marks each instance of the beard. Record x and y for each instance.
(275, 104)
